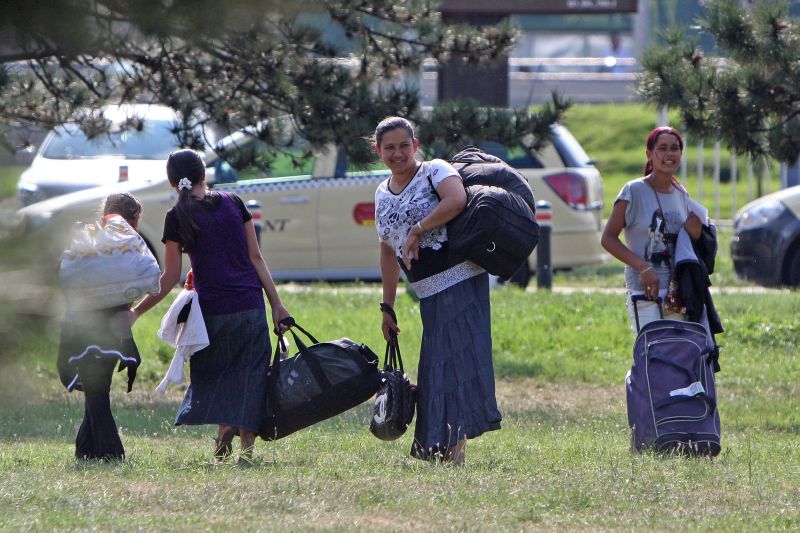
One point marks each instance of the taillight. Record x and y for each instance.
(571, 188)
(364, 213)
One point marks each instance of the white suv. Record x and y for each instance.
(317, 222)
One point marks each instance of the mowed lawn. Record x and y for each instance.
(561, 461)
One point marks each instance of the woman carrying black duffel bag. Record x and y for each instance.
(456, 396)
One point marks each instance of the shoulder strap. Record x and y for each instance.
(430, 182)
(435, 192)
(458, 173)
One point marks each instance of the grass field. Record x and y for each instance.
(561, 460)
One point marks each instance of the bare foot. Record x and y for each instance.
(248, 442)
(223, 443)
(456, 454)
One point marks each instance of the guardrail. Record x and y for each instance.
(533, 79)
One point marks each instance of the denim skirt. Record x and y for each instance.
(229, 377)
(456, 394)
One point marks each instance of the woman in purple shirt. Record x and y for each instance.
(228, 378)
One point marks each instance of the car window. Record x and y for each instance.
(154, 141)
(249, 159)
(570, 150)
(517, 157)
(284, 165)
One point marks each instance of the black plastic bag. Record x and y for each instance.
(496, 230)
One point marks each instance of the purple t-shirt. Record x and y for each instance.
(224, 277)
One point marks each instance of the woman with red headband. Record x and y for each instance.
(651, 211)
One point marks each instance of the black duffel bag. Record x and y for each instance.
(476, 167)
(321, 381)
(396, 400)
(496, 230)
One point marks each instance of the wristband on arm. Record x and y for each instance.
(386, 308)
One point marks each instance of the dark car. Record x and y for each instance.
(766, 239)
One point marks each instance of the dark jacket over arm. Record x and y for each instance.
(694, 281)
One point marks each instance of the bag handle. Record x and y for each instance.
(392, 359)
(672, 400)
(435, 192)
(291, 323)
(310, 359)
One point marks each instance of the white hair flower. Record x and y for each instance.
(184, 183)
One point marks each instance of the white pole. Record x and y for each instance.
(717, 156)
(783, 175)
(733, 185)
(642, 27)
(684, 166)
(700, 170)
(662, 116)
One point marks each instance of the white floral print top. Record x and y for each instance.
(396, 214)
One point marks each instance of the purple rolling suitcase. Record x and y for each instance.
(670, 390)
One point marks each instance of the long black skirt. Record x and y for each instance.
(229, 377)
(456, 394)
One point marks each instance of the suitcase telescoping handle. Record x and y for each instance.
(636, 298)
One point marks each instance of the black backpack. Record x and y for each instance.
(497, 230)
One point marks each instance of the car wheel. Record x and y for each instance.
(522, 276)
(794, 269)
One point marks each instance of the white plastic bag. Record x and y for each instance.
(107, 265)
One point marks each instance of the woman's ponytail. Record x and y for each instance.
(185, 168)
